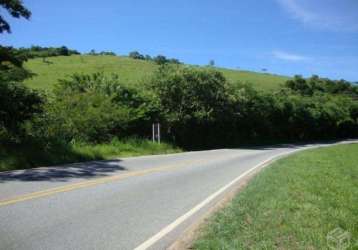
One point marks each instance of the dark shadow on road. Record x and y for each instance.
(94, 169)
(65, 172)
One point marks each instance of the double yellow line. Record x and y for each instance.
(95, 182)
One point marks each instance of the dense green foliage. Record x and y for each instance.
(38, 51)
(95, 108)
(101, 53)
(194, 104)
(16, 9)
(11, 65)
(292, 204)
(159, 59)
(197, 108)
(18, 103)
(200, 109)
(315, 84)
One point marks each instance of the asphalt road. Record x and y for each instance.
(141, 202)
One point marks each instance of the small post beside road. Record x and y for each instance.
(153, 133)
(156, 132)
(159, 133)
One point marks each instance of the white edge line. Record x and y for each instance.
(151, 241)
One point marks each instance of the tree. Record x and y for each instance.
(136, 55)
(11, 61)
(211, 63)
(17, 105)
(193, 103)
(174, 61)
(92, 52)
(17, 102)
(160, 59)
(16, 9)
(64, 51)
(95, 108)
(315, 84)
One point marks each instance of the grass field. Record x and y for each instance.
(30, 155)
(131, 71)
(293, 204)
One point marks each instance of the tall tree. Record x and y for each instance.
(17, 102)
(11, 60)
(16, 9)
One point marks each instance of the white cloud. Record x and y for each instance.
(337, 15)
(282, 55)
(297, 10)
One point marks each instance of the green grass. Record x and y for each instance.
(33, 155)
(130, 147)
(131, 71)
(293, 204)
(260, 81)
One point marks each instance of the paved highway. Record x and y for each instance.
(140, 202)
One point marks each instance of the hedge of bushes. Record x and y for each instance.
(197, 108)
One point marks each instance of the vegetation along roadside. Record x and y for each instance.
(305, 198)
(88, 112)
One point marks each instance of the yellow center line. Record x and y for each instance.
(95, 182)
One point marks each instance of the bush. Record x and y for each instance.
(11, 61)
(18, 104)
(136, 55)
(95, 108)
(38, 51)
(192, 103)
(89, 117)
(199, 109)
(316, 84)
(159, 59)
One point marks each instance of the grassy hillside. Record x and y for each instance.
(130, 70)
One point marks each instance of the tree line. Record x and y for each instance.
(159, 59)
(197, 107)
(38, 51)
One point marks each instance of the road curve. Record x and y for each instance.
(140, 202)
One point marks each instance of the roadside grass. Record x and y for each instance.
(293, 204)
(123, 148)
(131, 72)
(32, 154)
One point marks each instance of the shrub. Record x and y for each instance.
(316, 84)
(136, 55)
(192, 102)
(18, 104)
(88, 117)
(95, 108)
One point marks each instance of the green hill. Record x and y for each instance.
(131, 71)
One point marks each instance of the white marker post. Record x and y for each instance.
(156, 132)
(153, 133)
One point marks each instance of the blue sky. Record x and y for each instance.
(285, 36)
